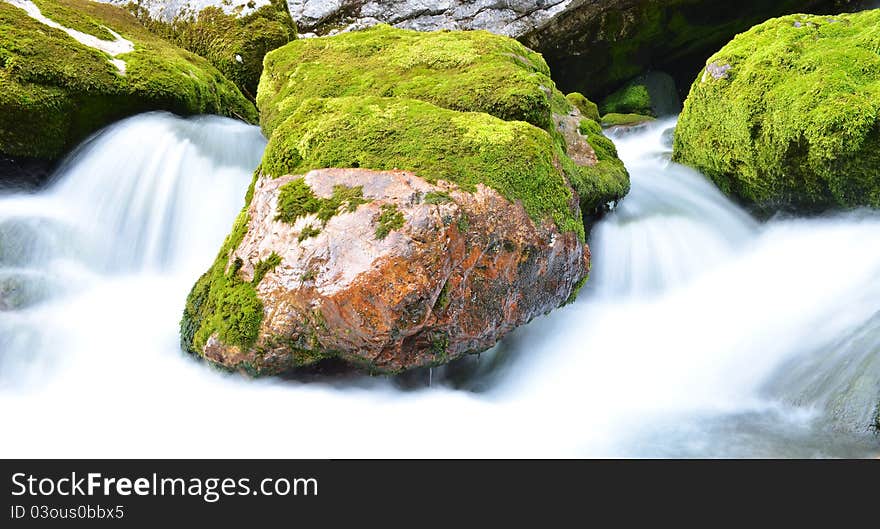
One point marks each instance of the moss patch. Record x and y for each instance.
(437, 197)
(515, 158)
(390, 219)
(235, 45)
(587, 108)
(264, 267)
(54, 91)
(624, 120)
(633, 98)
(787, 115)
(296, 199)
(466, 71)
(607, 181)
(222, 302)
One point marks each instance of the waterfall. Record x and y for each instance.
(702, 332)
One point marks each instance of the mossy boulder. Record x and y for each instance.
(473, 71)
(235, 44)
(787, 115)
(418, 199)
(55, 91)
(465, 71)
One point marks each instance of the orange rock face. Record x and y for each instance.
(461, 271)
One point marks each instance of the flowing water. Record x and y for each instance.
(702, 333)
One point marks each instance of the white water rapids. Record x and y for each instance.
(702, 333)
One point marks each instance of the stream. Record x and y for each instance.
(702, 332)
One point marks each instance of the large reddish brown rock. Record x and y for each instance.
(461, 271)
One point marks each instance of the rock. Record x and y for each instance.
(650, 94)
(234, 37)
(397, 221)
(86, 65)
(460, 270)
(788, 117)
(510, 18)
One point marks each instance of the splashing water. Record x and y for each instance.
(702, 333)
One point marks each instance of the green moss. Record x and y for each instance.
(440, 345)
(442, 299)
(264, 267)
(77, 20)
(463, 223)
(787, 115)
(633, 98)
(465, 71)
(437, 197)
(390, 219)
(624, 120)
(602, 184)
(515, 158)
(296, 199)
(235, 45)
(308, 232)
(587, 108)
(577, 290)
(222, 302)
(54, 91)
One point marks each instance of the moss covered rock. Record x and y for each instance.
(418, 199)
(787, 115)
(234, 42)
(467, 71)
(472, 71)
(55, 91)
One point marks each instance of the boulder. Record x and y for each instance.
(70, 67)
(408, 274)
(397, 219)
(787, 115)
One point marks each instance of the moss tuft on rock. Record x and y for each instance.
(390, 219)
(54, 91)
(587, 108)
(787, 115)
(296, 199)
(608, 178)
